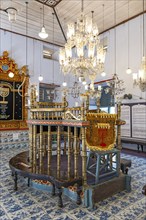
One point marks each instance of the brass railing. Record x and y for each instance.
(46, 113)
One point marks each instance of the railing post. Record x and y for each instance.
(41, 146)
(84, 157)
(58, 152)
(31, 144)
(69, 153)
(119, 145)
(49, 150)
(75, 153)
(34, 146)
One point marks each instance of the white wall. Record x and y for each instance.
(16, 46)
(135, 54)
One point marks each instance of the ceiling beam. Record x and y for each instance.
(34, 38)
(59, 24)
(123, 22)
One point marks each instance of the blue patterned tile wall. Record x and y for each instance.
(13, 139)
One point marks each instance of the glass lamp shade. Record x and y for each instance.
(64, 83)
(40, 78)
(43, 33)
(86, 87)
(99, 87)
(128, 71)
(84, 82)
(11, 74)
(11, 14)
(103, 74)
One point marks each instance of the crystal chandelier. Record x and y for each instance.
(82, 55)
(140, 78)
(75, 90)
(115, 87)
(92, 92)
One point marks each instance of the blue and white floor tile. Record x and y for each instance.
(31, 204)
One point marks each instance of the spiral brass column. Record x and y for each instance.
(41, 146)
(87, 103)
(75, 153)
(119, 145)
(84, 158)
(69, 153)
(58, 152)
(64, 152)
(82, 112)
(30, 145)
(49, 150)
(34, 147)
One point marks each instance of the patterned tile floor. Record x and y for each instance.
(28, 203)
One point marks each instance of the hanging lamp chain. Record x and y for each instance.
(143, 30)
(103, 25)
(128, 33)
(26, 28)
(43, 14)
(53, 46)
(103, 17)
(115, 32)
(82, 6)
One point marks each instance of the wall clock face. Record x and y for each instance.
(5, 67)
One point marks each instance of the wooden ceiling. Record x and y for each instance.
(66, 11)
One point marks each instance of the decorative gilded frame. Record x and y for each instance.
(20, 75)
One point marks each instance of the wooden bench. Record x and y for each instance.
(140, 142)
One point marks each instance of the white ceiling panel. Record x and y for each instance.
(66, 11)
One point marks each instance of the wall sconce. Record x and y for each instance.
(12, 12)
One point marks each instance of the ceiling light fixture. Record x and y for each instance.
(43, 34)
(64, 83)
(140, 78)
(82, 55)
(128, 71)
(12, 12)
(11, 74)
(40, 78)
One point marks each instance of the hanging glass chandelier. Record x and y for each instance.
(140, 78)
(75, 90)
(94, 93)
(115, 88)
(82, 55)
